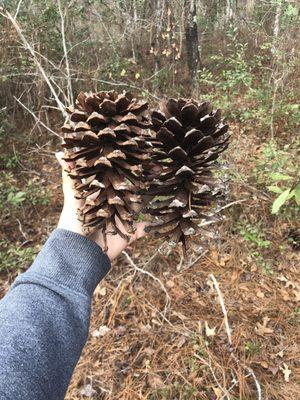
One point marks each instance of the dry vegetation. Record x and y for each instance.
(223, 324)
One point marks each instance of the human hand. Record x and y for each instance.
(68, 219)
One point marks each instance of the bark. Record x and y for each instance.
(192, 42)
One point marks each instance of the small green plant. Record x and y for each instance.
(285, 194)
(279, 172)
(255, 236)
(10, 161)
(252, 348)
(33, 193)
(16, 198)
(258, 243)
(12, 257)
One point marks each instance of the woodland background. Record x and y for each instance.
(223, 324)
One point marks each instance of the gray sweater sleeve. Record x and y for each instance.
(44, 318)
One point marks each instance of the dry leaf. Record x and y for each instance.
(170, 284)
(88, 391)
(262, 329)
(102, 331)
(264, 364)
(218, 392)
(209, 331)
(224, 260)
(155, 382)
(260, 294)
(102, 291)
(286, 372)
(280, 354)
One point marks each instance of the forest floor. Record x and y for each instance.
(223, 324)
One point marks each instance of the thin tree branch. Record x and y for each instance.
(63, 36)
(28, 46)
(36, 118)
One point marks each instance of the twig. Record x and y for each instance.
(22, 166)
(232, 204)
(136, 268)
(222, 304)
(228, 331)
(18, 9)
(63, 36)
(36, 118)
(21, 229)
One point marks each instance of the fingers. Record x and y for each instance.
(66, 165)
(140, 231)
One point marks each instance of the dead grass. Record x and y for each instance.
(161, 334)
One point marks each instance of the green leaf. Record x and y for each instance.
(279, 202)
(297, 194)
(277, 176)
(16, 198)
(274, 189)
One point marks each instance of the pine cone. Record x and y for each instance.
(188, 140)
(104, 136)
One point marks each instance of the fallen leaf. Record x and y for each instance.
(88, 391)
(170, 284)
(286, 372)
(224, 260)
(218, 392)
(102, 331)
(264, 364)
(155, 382)
(260, 294)
(209, 331)
(102, 291)
(262, 329)
(280, 354)
(274, 370)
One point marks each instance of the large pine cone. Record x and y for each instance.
(104, 137)
(188, 140)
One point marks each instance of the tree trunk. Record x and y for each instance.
(192, 43)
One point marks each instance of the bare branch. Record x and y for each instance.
(63, 36)
(28, 46)
(36, 118)
(18, 9)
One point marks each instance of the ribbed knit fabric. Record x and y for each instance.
(44, 318)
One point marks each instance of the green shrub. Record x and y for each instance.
(278, 170)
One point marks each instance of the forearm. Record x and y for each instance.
(44, 318)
